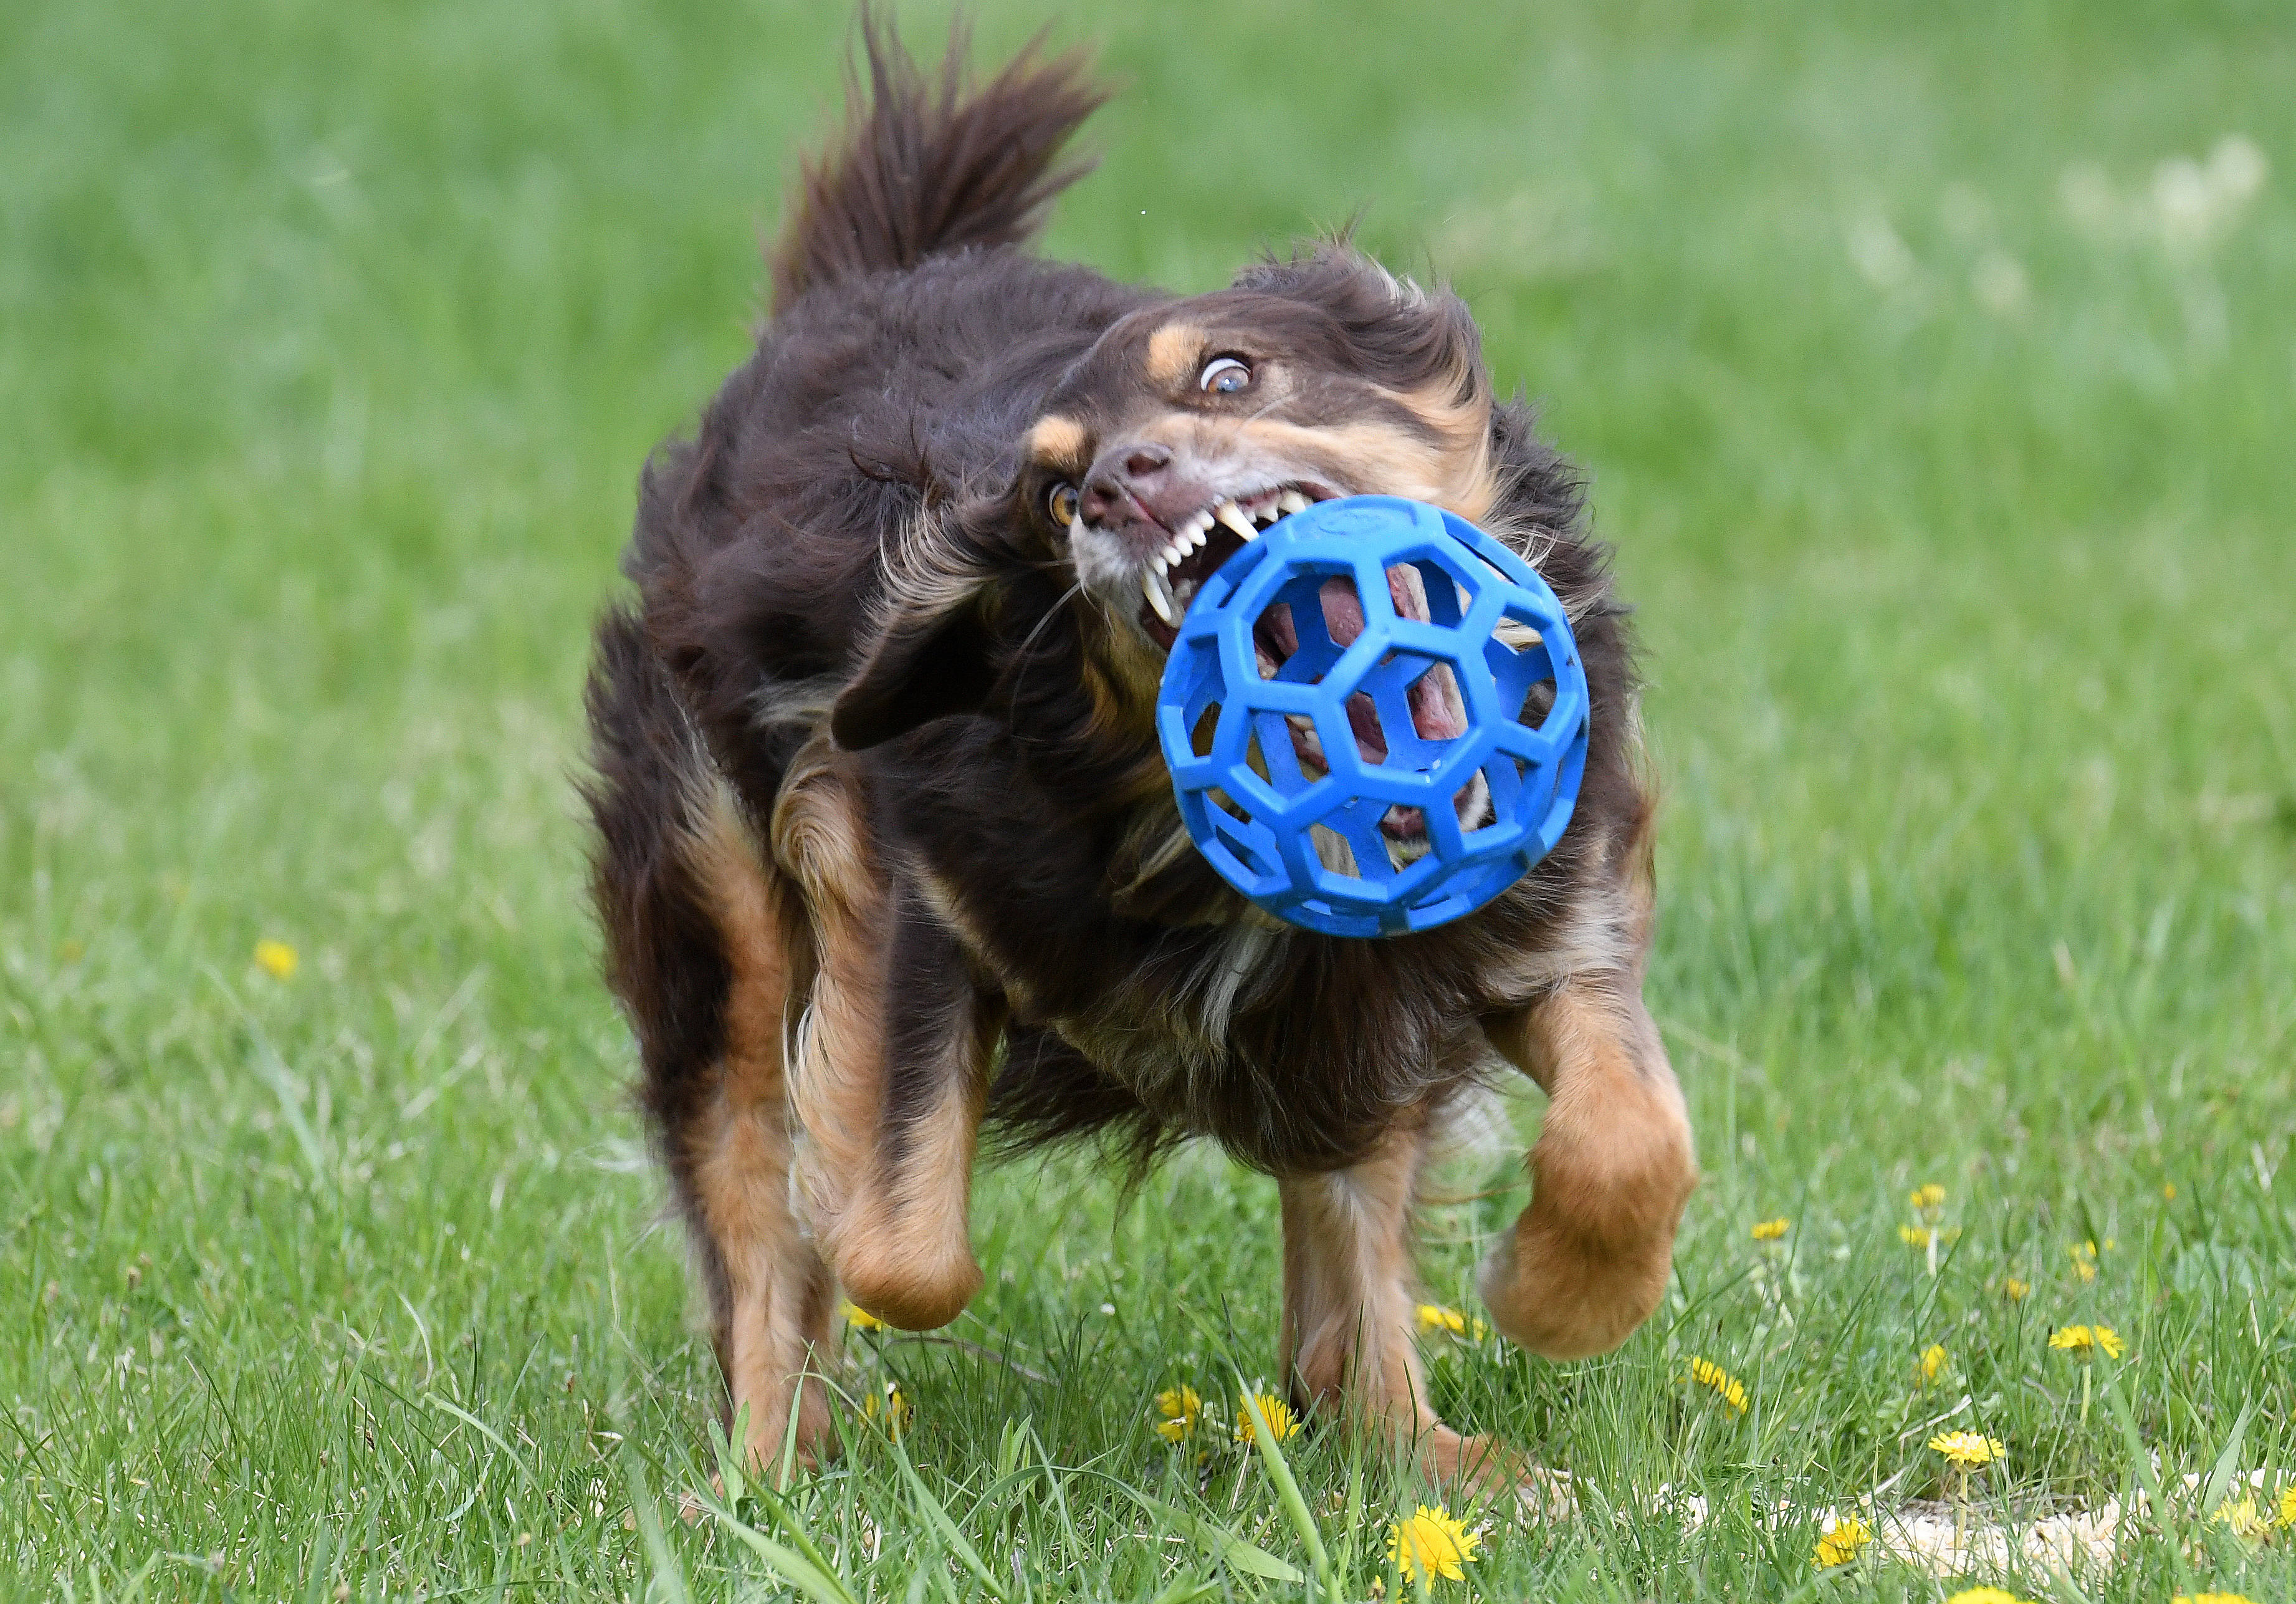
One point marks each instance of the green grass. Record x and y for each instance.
(330, 340)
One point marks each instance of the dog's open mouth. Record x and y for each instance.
(1169, 583)
(1170, 579)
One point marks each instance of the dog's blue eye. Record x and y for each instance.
(1224, 375)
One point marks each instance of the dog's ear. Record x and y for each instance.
(936, 652)
(1410, 339)
(927, 664)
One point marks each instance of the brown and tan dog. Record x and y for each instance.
(888, 851)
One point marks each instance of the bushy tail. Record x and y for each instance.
(932, 164)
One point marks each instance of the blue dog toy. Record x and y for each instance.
(1404, 645)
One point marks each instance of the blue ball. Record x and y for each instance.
(1419, 743)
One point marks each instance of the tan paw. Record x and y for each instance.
(1486, 1467)
(1566, 1299)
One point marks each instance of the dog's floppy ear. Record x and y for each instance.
(925, 664)
(1410, 339)
(935, 653)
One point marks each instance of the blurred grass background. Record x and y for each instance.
(1934, 367)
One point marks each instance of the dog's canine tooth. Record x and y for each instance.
(1289, 502)
(1232, 516)
(1158, 592)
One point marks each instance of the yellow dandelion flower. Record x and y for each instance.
(2015, 1290)
(2241, 1517)
(275, 958)
(1921, 1236)
(2084, 1257)
(1720, 1382)
(2168, 1191)
(1435, 1317)
(1432, 1543)
(1929, 1197)
(889, 1408)
(1967, 1450)
(2209, 1599)
(1274, 1413)
(1985, 1595)
(2286, 1513)
(1933, 1359)
(1840, 1542)
(1181, 1408)
(1770, 1230)
(2084, 1339)
(861, 1320)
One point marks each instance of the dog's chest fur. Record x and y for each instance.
(1291, 1049)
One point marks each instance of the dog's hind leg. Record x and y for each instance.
(1350, 1313)
(892, 1061)
(1587, 1261)
(698, 949)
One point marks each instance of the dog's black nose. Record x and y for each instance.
(1133, 467)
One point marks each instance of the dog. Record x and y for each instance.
(888, 856)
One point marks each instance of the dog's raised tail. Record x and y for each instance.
(932, 163)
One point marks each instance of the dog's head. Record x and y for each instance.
(1189, 427)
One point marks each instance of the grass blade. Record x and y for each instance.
(2226, 1468)
(1223, 1546)
(667, 1572)
(942, 1522)
(807, 1569)
(1287, 1488)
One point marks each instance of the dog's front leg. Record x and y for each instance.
(892, 1054)
(1587, 1261)
(1350, 1313)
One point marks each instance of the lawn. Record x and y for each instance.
(1934, 367)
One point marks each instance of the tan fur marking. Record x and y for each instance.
(1612, 1168)
(1385, 459)
(898, 1239)
(1455, 470)
(776, 1319)
(1350, 1313)
(906, 1250)
(838, 1089)
(1172, 353)
(1058, 441)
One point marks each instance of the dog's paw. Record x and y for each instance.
(1486, 1467)
(1562, 1298)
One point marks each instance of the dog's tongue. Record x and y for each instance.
(1437, 711)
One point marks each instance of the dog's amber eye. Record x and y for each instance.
(1061, 504)
(1224, 376)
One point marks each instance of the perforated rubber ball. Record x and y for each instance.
(1375, 718)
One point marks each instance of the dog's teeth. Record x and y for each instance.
(1289, 502)
(1158, 592)
(1232, 516)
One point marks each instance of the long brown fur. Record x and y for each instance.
(887, 857)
